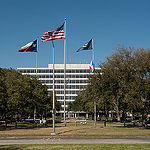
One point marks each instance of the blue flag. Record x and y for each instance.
(87, 46)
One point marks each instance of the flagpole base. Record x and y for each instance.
(53, 133)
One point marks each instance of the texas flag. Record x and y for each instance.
(91, 66)
(30, 47)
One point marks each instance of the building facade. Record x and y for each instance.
(76, 79)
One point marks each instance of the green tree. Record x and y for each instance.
(122, 85)
(20, 94)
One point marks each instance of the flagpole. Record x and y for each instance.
(94, 71)
(93, 53)
(65, 74)
(53, 111)
(37, 57)
(36, 76)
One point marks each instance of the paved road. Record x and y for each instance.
(73, 140)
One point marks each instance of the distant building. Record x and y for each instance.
(76, 79)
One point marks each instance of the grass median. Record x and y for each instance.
(77, 147)
(82, 130)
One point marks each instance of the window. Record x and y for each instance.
(47, 76)
(77, 86)
(43, 81)
(73, 87)
(50, 86)
(42, 71)
(57, 71)
(72, 97)
(24, 71)
(77, 71)
(72, 81)
(61, 71)
(60, 98)
(46, 81)
(43, 76)
(81, 71)
(77, 92)
(57, 81)
(33, 71)
(57, 76)
(68, 76)
(73, 71)
(82, 81)
(47, 71)
(77, 81)
(82, 86)
(59, 92)
(67, 97)
(73, 76)
(77, 76)
(39, 71)
(61, 81)
(72, 92)
(68, 87)
(28, 71)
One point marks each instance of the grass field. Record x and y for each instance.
(116, 129)
(77, 147)
(80, 131)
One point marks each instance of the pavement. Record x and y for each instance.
(73, 140)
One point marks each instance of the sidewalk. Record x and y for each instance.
(73, 140)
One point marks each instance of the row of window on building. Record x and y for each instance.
(66, 97)
(67, 102)
(59, 76)
(56, 71)
(67, 87)
(62, 81)
(67, 92)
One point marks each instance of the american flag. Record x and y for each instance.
(54, 35)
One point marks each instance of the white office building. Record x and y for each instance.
(76, 79)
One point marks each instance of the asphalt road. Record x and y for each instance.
(73, 140)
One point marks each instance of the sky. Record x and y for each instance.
(108, 22)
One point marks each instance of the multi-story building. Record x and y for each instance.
(76, 79)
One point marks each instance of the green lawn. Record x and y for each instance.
(112, 129)
(77, 147)
(79, 131)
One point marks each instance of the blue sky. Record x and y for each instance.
(109, 22)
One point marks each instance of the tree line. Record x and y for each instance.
(122, 85)
(21, 94)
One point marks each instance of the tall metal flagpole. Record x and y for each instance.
(94, 70)
(37, 57)
(93, 51)
(65, 74)
(36, 76)
(53, 111)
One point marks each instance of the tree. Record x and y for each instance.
(78, 104)
(19, 94)
(123, 85)
(3, 95)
